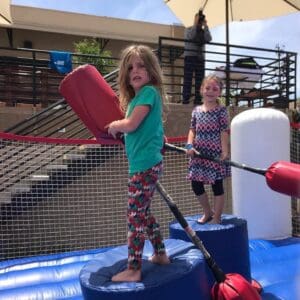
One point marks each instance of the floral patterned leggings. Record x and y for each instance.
(141, 187)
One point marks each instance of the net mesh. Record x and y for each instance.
(63, 195)
(295, 157)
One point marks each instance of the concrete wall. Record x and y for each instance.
(56, 41)
(57, 30)
(10, 116)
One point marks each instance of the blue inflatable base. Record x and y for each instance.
(227, 242)
(275, 264)
(187, 276)
(44, 277)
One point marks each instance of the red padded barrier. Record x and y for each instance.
(284, 177)
(92, 99)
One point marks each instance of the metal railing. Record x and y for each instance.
(273, 82)
(26, 75)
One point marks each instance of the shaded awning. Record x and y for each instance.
(5, 16)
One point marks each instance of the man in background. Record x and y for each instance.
(195, 37)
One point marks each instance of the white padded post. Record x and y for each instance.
(259, 137)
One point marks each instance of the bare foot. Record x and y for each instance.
(160, 259)
(204, 219)
(128, 275)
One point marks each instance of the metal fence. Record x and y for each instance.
(272, 82)
(26, 75)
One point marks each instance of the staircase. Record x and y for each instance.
(30, 171)
(38, 175)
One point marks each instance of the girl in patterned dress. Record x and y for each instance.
(141, 96)
(208, 134)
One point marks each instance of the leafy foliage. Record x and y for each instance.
(90, 52)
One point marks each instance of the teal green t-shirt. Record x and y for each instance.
(143, 146)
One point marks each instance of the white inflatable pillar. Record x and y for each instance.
(259, 137)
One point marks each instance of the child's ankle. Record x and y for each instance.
(161, 259)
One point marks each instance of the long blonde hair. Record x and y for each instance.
(145, 53)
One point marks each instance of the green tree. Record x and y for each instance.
(93, 54)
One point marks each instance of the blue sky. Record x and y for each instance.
(281, 31)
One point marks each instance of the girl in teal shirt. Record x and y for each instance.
(141, 96)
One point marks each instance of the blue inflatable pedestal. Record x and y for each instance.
(186, 277)
(226, 242)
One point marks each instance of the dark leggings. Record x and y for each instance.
(217, 187)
